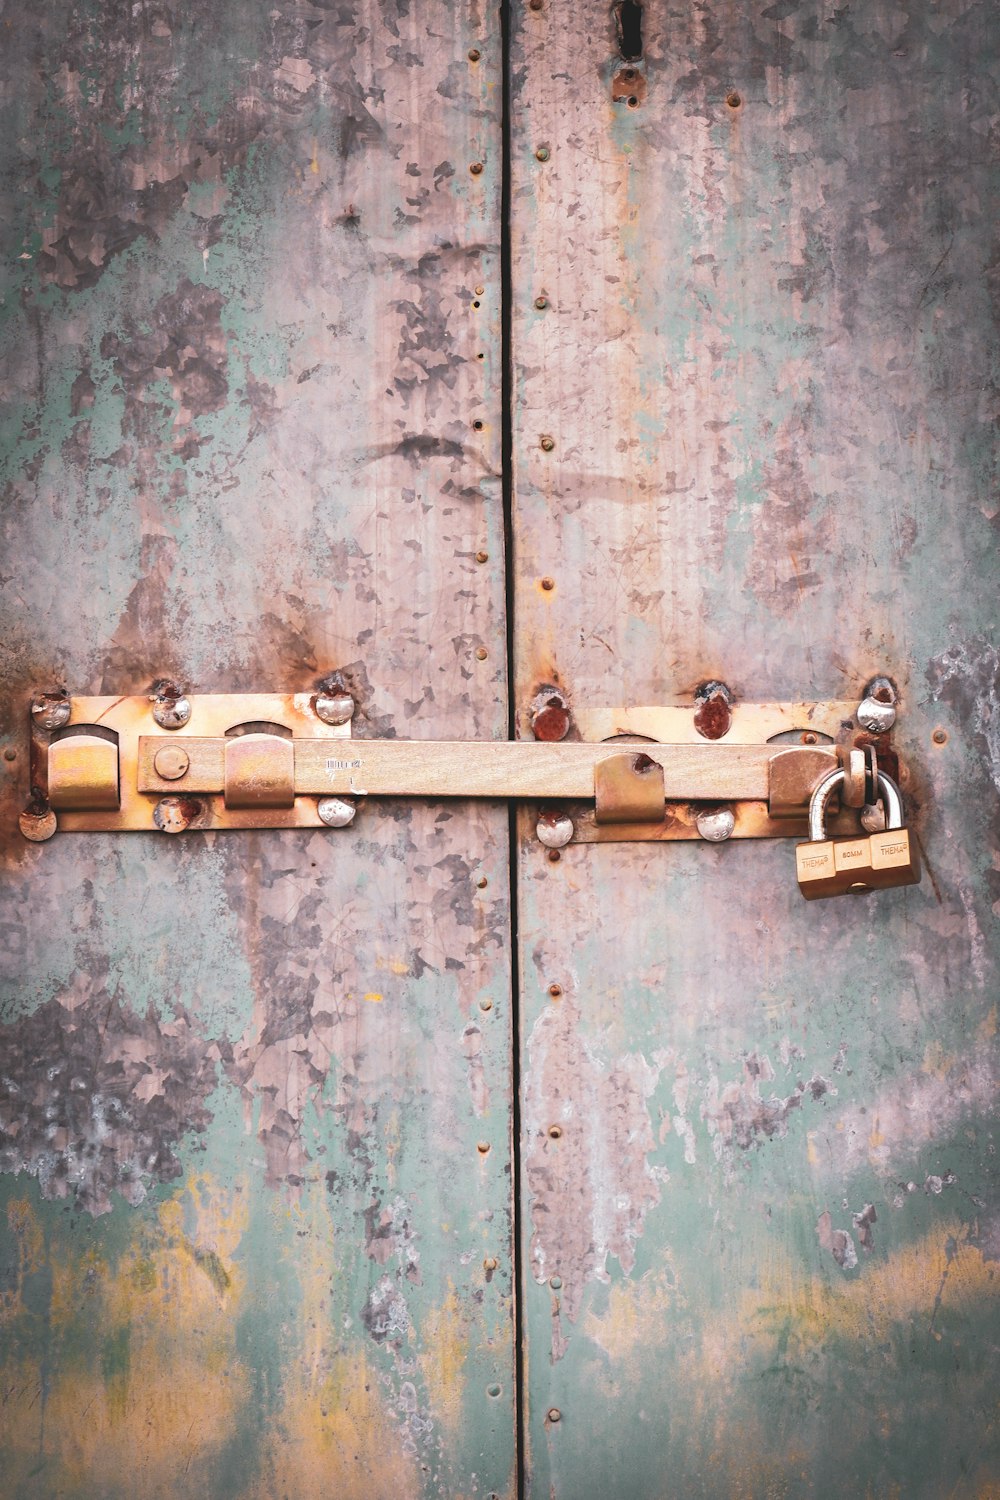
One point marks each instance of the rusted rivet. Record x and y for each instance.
(476, 168)
(555, 1132)
(474, 54)
(549, 716)
(733, 100)
(171, 762)
(482, 557)
(478, 424)
(336, 812)
(37, 822)
(632, 101)
(555, 1282)
(713, 711)
(483, 1147)
(535, 4)
(51, 710)
(175, 814)
(334, 706)
(490, 1263)
(171, 709)
(541, 303)
(555, 1415)
(547, 444)
(486, 1003)
(481, 653)
(553, 856)
(548, 584)
(541, 153)
(10, 753)
(555, 990)
(493, 1389)
(482, 882)
(809, 738)
(940, 736)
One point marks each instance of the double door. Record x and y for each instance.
(571, 353)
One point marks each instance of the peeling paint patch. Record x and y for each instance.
(967, 678)
(95, 1099)
(738, 1114)
(837, 1241)
(385, 1314)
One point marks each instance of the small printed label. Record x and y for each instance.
(333, 766)
(814, 861)
(894, 848)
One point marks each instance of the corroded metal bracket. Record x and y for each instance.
(270, 760)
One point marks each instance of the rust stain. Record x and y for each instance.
(549, 715)
(713, 716)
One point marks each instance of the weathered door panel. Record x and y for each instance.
(752, 277)
(255, 1101)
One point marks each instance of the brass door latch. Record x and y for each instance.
(174, 763)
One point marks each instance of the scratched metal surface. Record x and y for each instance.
(761, 1256)
(245, 1082)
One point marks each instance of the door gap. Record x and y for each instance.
(507, 487)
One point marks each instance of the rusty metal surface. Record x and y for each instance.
(255, 1098)
(753, 331)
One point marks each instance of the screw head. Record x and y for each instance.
(554, 830)
(51, 710)
(555, 990)
(547, 444)
(336, 812)
(474, 54)
(334, 707)
(940, 736)
(482, 557)
(554, 1414)
(171, 713)
(171, 762)
(716, 826)
(733, 99)
(486, 1003)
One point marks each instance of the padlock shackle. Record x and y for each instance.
(817, 806)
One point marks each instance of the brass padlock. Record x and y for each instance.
(833, 867)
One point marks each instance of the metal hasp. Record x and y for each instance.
(276, 760)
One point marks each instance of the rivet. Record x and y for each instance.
(809, 738)
(490, 1263)
(555, 1415)
(555, 1132)
(547, 444)
(482, 557)
(555, 990)
(486, 1003)
(548, 584)
(555, 1282)
(172, 713)
(481, 653)
(476, 168)
(940, 736)
(716, 825)
(176, 814)
(541, 153)
(334, 707)
(733, 100)
(877, 709)
(541, 303)
(37, 823)
(477, 424)
(10, 753)
(535, 4)
(482, 882)
(483, 1147)
(171, 762)
(493, 1389)
(474, 54)
(554, 830)
(51, 710)
(336, 812)
(553, 856)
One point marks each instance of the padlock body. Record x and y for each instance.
(816, 869)
(894, 859)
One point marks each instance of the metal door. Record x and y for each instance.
(753, 271)
(258, 1089)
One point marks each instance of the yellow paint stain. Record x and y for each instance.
(445, 1336)
(395, 965)
(314, 161)
(333, 1435)
(633, 1306)
(373, 998)
(986, 1031)
(937, 1061)
(812, 1155)
(26, 1234)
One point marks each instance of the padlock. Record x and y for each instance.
(833, 867)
